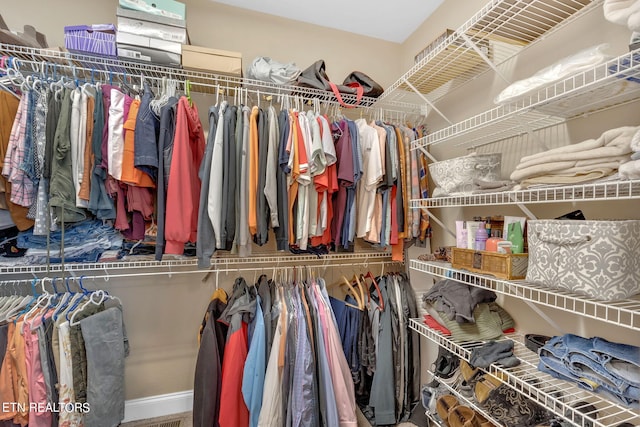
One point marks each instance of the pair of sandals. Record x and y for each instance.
(454, 414)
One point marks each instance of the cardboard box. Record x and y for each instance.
(212, 60)
(153, 29)
(165, 8)
(142, 41)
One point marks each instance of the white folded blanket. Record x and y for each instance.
(611, 149)
(623, 12)
(635, 142)
(630, 170)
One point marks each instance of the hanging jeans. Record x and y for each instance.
(103, 335)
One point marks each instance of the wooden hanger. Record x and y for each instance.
(352, 290)
(363, 301)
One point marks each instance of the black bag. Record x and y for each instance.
(357, 83)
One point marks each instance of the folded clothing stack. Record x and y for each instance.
(595, 364)
(576, 163)
(83, 242)
(466, 312)
(631, 169)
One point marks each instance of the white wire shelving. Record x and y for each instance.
(612, 83)
(596, 191)
(624, 313)
(222, 263)
(56, 63)
(492, 36)
(560, 397)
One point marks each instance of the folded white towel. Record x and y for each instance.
(635, 142)
(623, 12)
(613, 147)
(571, 176)
(630, 170)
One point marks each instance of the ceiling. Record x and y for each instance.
(393, 21)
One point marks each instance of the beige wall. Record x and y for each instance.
(220, 26)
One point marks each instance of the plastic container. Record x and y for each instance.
(481, 238)
(492, 242)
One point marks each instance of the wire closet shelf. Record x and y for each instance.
(624, 313)
(90, 68)
(494, 35)
(218, 263)
(560, 397)
(597, 191)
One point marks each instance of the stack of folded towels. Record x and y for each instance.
(631, 169)
(578, 163)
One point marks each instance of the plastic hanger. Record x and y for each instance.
(187, 92)
(25, 304)
(375, 284)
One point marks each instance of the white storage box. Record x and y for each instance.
(455, 176)
(600, 259)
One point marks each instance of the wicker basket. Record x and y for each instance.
(504, 266)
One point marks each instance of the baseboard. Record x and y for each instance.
(158, 406)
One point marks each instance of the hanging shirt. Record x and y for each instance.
(382, 393)
(243, 240)
(262, 208)
(282, 232)
(253, 377)
(130, 174)
(206, 243)
(40, 207)
(371, 177)
(115, 141)
(62, 191)
(22, 188)
(343, 387)
(253, 165)
(271, 414)
(78, 140)
(228, 208)
(100, 204)
(304, 180)
(271, 180)
(214, 201)
(84, 192)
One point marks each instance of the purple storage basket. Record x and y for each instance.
(94, 39)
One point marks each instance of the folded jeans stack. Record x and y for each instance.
(595, 364)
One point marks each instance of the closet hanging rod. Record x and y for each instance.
(206, 82)
(106, 277)
(338, 258)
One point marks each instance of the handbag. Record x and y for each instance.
(356, 83)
